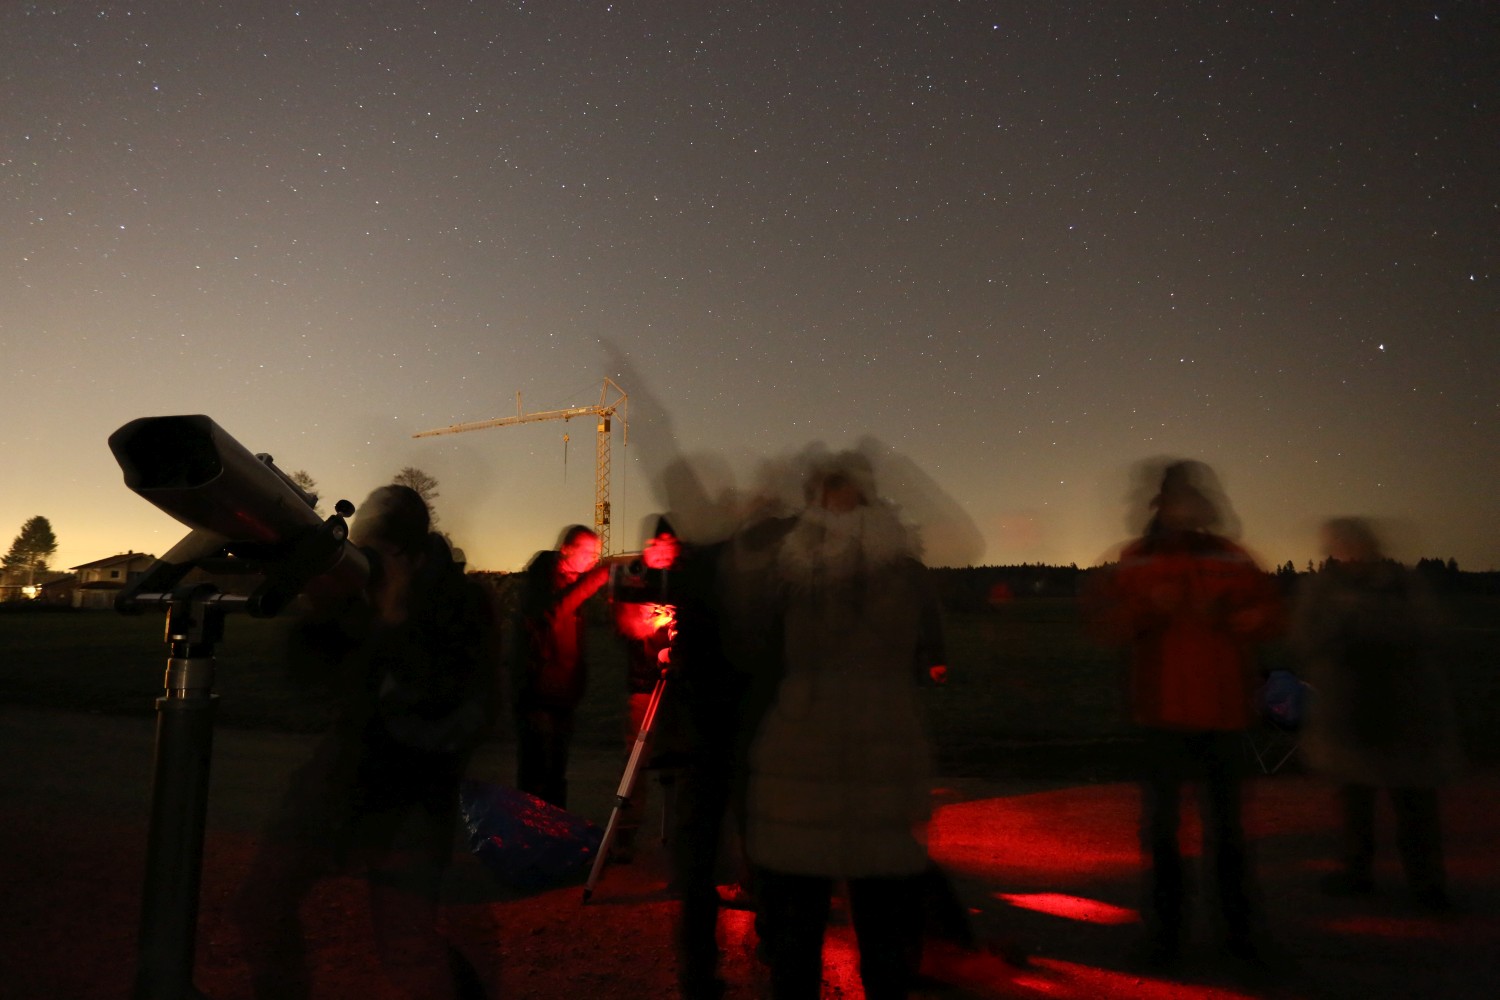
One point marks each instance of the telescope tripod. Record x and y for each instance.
(629, 781)
(179, 792)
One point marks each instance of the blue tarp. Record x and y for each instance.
(527, 843)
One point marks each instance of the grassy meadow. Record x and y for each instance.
(1027, 687)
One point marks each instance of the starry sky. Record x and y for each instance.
(1011, 249)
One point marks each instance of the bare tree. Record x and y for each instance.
(307, 484)
(425, 485)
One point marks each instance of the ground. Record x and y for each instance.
(1049, 866)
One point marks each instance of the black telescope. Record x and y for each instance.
(247, 517)
(190, 468)
(246, 514)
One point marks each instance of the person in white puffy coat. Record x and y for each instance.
(840, 766)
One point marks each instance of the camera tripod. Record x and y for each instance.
(629, 781)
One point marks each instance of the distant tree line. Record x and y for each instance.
(1442, 575)
(975, 588)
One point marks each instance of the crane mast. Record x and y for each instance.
(603, 413)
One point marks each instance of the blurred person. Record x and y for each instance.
(1190, 606)
(548, 659)
(839, 769)
(416, 661)
(728, 661)
(1381, 716)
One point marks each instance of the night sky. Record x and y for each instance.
(1010, 248)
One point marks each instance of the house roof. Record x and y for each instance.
(125, 557)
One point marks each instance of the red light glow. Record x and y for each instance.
(1057, 904)
(662, 616)
(1036, 840)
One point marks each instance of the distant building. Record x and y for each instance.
(97, 583)
(58, 591)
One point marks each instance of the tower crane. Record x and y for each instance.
(604, 413)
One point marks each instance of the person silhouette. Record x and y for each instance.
(1190, 605)
(1382, 717)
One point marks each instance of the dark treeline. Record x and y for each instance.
(1442, 575)
(963, 589)
(975, 588)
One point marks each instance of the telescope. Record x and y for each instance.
(631, 581)
(246, 515)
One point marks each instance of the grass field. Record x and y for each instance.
(1025, 680)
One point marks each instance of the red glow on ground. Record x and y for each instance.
(1039, 839)
(737, 930)
(1057, 904)
(974, 971)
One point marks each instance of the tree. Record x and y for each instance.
(425, 485)
(307, 484)
(32, 548)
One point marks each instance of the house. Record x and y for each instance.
(100, 581)
(58, 592)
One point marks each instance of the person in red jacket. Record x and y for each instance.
(1190, 605)
(548, 662)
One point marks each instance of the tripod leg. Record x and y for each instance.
(174, 849)
(610, 829)
(626, 789)
(622, 801)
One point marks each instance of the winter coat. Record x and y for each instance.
(1380, 712)
(1190, 606)
(431, 682)
(414, 700)
(840, 767)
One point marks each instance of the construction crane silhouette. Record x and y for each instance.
(604, 412)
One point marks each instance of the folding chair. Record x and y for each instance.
(1281, 702)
